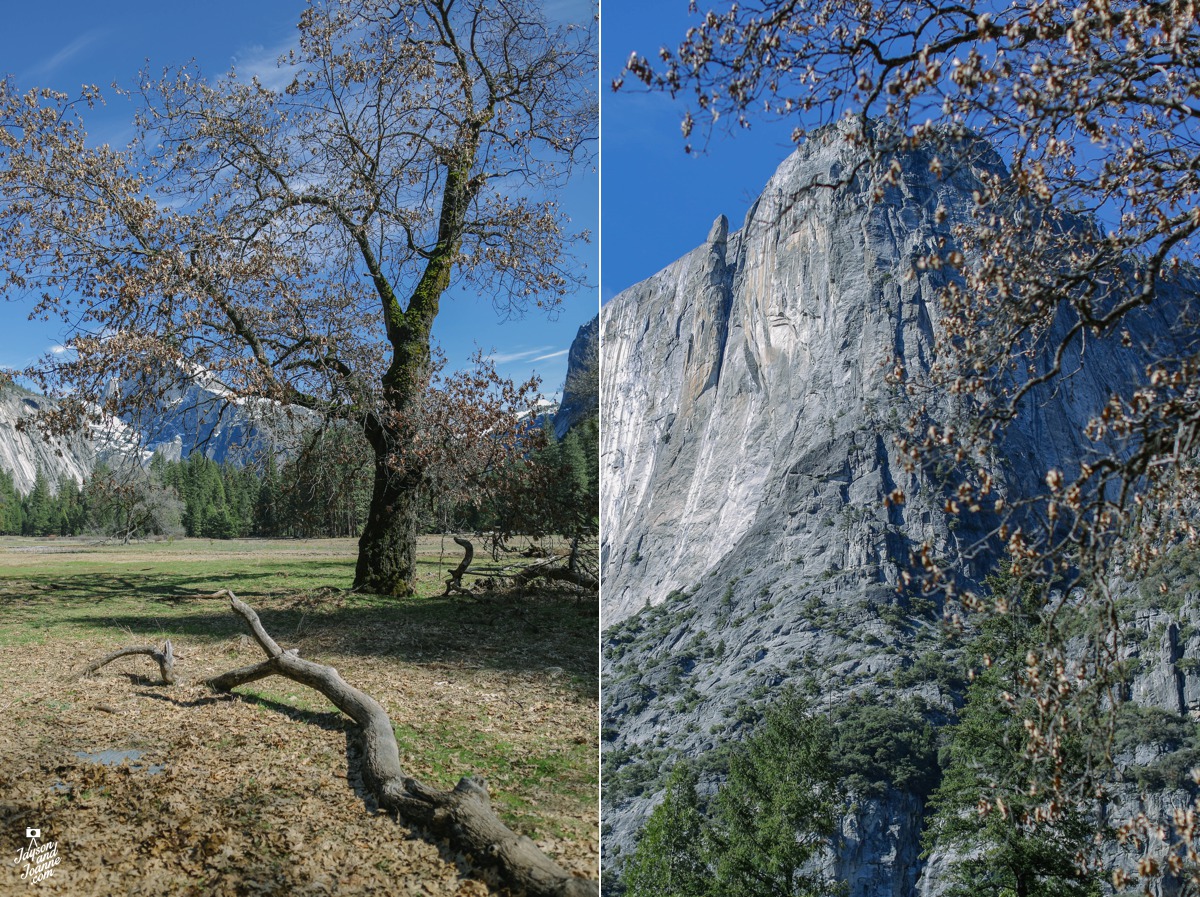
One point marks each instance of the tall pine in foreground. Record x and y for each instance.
(670, 858)
(983, 810)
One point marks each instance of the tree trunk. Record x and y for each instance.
(387, 548)
(454, 583)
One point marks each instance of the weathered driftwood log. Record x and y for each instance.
(454, 583)
(164, 657)
(463, 814)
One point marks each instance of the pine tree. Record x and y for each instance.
(39, 517)
(776, 815)
(669, 860)
(68, 507)
(11, 513)
(1003, 851)
(268, 506)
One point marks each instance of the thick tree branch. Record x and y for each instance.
(463, 814)
(164, 657)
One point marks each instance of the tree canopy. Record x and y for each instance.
(293, 245)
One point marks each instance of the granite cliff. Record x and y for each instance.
(24, 451)
(580, 397)
(749, 442)
(193, 414)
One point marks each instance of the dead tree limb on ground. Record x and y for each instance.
(164, 657)
(552, 570)
(454, 583)
(463, 814)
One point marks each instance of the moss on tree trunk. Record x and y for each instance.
(387, 548)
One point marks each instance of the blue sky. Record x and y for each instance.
(659, 202)
(65, 44)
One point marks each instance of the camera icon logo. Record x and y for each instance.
(33, 833)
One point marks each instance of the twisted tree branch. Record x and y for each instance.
(463, 814)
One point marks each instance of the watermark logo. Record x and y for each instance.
(39, 858)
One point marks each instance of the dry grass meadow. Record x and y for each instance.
(258, 792)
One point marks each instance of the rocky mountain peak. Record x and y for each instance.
(718, 234)
(749, 442)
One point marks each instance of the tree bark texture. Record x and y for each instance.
(387, 548)
(463, 814)
(454, 583)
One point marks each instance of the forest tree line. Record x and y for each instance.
(766, 815)
(324, 491)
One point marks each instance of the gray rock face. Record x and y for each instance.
(580, 396)
(743, 385)
(191, 417)
(198, 414)
(23, 452)
(747, 448)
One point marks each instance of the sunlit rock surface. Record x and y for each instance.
(748, 444)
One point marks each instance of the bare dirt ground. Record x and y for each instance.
(259, 793)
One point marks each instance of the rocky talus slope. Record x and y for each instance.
(749, 441)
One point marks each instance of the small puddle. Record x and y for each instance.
(115, 757)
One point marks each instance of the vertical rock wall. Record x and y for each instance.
(748, 444)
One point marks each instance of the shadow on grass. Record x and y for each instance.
(98, 588)
(540, 632)
(329, 720)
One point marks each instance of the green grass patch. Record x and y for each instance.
(452, 750)
(155, 591)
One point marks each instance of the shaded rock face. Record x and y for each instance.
(580, 390)
(191, 414)
(748, 444)
(23, 452)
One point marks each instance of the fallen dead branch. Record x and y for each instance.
(551, 568)
(580, 578)
(164, 657)
(463, 814)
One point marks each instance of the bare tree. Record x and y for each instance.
(126, 501)
(294, 245)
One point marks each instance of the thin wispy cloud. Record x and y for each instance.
(526, 355)
(71, 50)
(559, 354)
(262, 63)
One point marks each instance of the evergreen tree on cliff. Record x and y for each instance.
(776, 816)
(296, 243)
(670, 859)
(1004, 836)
